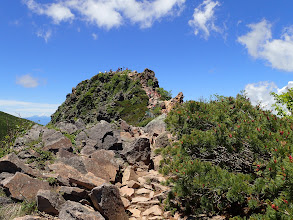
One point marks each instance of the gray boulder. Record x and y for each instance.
(137, 152)
(103, 136)
(156, 126)
(67, 127)
(55, 140)
(76, 211)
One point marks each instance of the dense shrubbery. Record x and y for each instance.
(231, 158)
(165, 95)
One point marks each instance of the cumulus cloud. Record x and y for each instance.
(57, 11)
(27, 109)
(110, 13)
(259, 93)
(45, 34)
(27, 81)
(261, 45)
(204, 18)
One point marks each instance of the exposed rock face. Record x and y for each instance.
(75, 211)
(138, 152)
(23, 187)
(49, 202)
(169, 105)
(145, 77)
(106, 199)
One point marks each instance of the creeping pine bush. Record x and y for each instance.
(231, 158)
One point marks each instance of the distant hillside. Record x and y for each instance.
(9, 122)
(43, 120)
(109, 96)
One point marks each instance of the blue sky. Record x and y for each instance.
(199, 47)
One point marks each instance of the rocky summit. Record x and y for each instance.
(94, 161)
(110, 96)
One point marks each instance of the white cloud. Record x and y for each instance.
(27, 81)
(259, 93)
(204, 18)
(260, 45)
(44, 34)
(95, 36)
(27, 109)
(57, 11)
(108, 13)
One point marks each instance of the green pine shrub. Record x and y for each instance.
(231, 158)
(165, 95)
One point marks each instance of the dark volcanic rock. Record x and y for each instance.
(73, 193)
(12, 164)
(139, 151)
(49, 202)
(102, 136)
(106, 199)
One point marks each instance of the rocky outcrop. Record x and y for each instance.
(167, 106)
